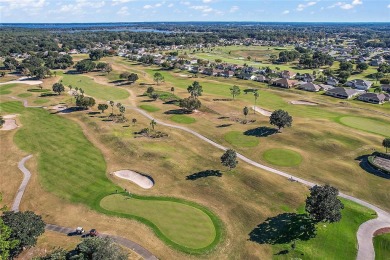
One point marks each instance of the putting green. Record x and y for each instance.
(238, 139)
(182, 119)
(282, 157)
(181, 223)
(149, 108)
(366, 124)
(382, 246)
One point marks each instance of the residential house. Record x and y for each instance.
(359, 84)
(386, 87)
(287, 74)
(374, 98)
(261, 78)
(227, 74)
(284, 83)
(309, 86)
(325, 87)
(306, 77)
(332, 81)
(342, 92)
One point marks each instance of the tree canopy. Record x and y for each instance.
(195, 89)
(386, 143)
(190, 104)
(85, 66)
(280, 118)
(235, 91)
(229, 159)
(58, 88)
(323, 205)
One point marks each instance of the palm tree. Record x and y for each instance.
(256, 95)
(153, 123)
(112, 107)
(245, 111)
(134, 120)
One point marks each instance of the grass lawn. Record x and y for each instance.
(6, 89)
(366, 124)
(41, 101)
(183, 224)
(237, 138)
(38, 90)
(282, 157)
(333, 241)
(382, 246)
(94, 89)
(149, 108)
(74, 169)
(24, 95)
(182, 119)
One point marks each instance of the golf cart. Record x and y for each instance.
(79, 231)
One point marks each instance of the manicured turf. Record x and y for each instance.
(366, 124)
(41, 101)
(182, 119)
(24, 95)
(237, 138)
(6, 89)
(333, 241)
(94, 89)
(181, 223)
(149, 108)
(74, 169)
(382, 246)
(282, 157)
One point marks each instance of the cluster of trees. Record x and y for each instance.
(315, 60)
(84, 66)
(288, 56)
(104, 67)
(192, 103)
(131, 77)
(19, 231)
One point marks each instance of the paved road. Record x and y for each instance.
(120, 240)
(366, 230)
(23, 185)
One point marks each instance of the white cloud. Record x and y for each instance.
(147, 6)
(12, 4)
(286, 12)
(388, 6)
(170, 5)
(207, 1)
(234, 8)
(153, 6)
(117, 2)
(346, 6)
(185, 3)
(301, 7)
(123, 11)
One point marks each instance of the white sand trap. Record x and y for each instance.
(184, 76)
(58, 107)
(262, 111)
(24, 80)
(10, 123)
(302, 102)
(140, 180)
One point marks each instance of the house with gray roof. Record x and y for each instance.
(359, 84)
(342, 92)
(309, 86)
(374, 98)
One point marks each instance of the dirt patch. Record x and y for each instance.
(382, 231)
(9, 124)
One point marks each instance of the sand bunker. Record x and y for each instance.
(139, 179)
(302, 102)
(23, 80)
(262, 111)
(9, 123)
(184, 76)
(58, 107)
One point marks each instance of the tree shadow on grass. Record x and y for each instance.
(204, 174)
(176, 112)
(262, 131)
(283, 229)
(365, 165)
(223, 125)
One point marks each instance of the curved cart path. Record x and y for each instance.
(65, 230)
(366, 230)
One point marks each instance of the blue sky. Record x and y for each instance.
(69, 11)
